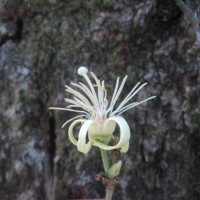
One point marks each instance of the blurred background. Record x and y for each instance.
(42, 44)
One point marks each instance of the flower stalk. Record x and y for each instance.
(105, 161)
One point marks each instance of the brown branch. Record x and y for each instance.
(110, 184)
(109, 192)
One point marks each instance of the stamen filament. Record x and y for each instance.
(118, 93)
(131, 106)
(92, 101)
(130, 96)
(80, 116)
(91, 87)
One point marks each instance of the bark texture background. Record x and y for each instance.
(42, 43)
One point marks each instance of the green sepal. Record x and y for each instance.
(115, 169)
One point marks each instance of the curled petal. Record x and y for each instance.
(109, 127)
(123, 143)
(125, 148)
(81, 143)
(71, 131)
(101, 132)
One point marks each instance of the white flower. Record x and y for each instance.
(97, 116)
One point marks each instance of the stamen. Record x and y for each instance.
(99, 86)
(118, 93)
(82, 103)
(86, 91)
(105, 91)
(99, 89)
(113, 96)
(92, 103)
(91, 88)
(72, 120)
(131, 106)
(67, 109)
(77, 94)
(130, 95)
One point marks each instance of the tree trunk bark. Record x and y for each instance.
(42, 44)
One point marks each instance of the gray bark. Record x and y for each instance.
(42, 43)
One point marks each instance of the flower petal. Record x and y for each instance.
(123, 143)
(81, 144)
(101, 132)
(71, 132)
